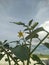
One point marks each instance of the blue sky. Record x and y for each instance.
(21, 10)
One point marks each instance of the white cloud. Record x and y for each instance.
(42, 34)
(46, 26)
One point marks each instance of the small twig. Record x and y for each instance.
(39, 43)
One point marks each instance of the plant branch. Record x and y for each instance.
(9, 55)
(39, 43)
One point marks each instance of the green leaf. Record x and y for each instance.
(30, 22)
(34, 34)
(21, 52)
(30, 36)
(0, 42)
(26, 29)
(36, 58)
(19, 23)
(6, 46)
(34, 25)
(17, 42)
(1, 56)
(27, 32)
(46, 44)
(5, 41)
(38, 29)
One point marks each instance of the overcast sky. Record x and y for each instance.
(21, 10)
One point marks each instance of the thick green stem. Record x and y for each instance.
(29, 50)
(39, 43)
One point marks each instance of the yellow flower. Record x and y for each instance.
(20, 34)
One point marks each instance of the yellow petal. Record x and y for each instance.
(20, 34)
